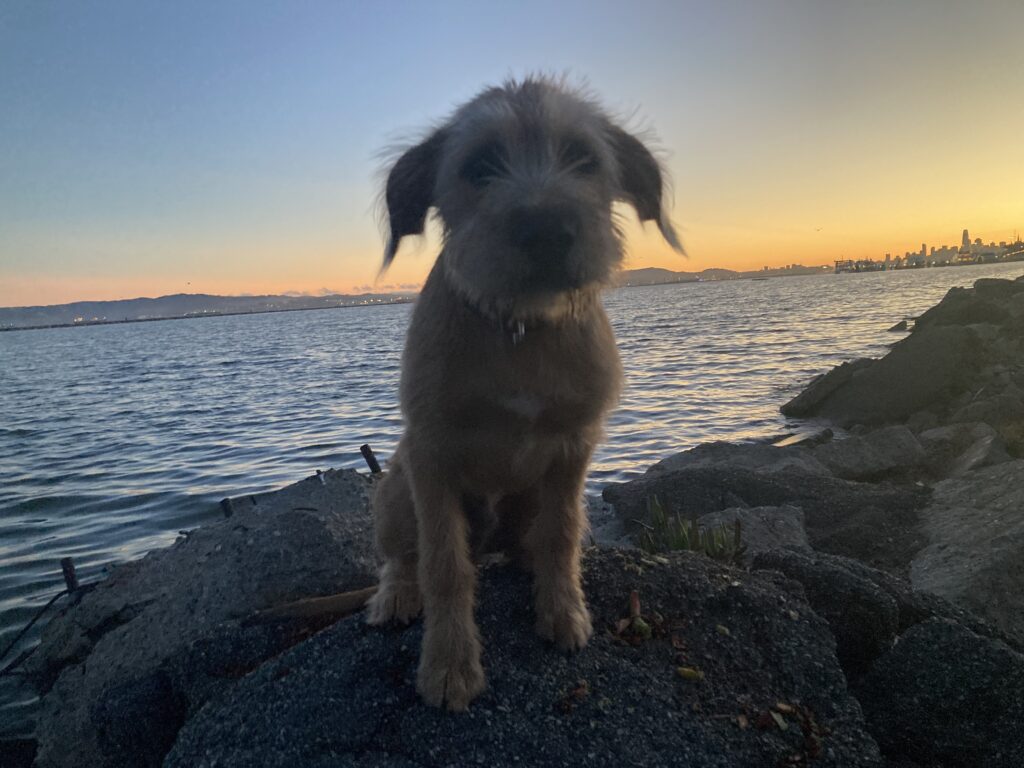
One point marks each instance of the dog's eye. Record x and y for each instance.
(483, 166)
(578, 158)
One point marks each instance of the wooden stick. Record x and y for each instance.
(67, 565)
(371, 460)
(327, 608)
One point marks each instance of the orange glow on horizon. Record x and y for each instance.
(318, 271)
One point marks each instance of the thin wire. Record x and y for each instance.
(10, 667)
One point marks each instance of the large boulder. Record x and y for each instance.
(748, 646)
(944, 696)
(926, 370)
(760, 457)
(1001, 408)
(816, 569)
(863, 615)
(881, 453)
(955, 449)
(975, 553)
(967, 306)
(762, 529)
(874, 522)
(123, 668)
(823, 386)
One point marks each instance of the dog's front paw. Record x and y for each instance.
(394, 601)
(567, 625)
(453, 682)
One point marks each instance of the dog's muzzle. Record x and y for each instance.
(546, 237)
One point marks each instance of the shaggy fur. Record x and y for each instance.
(510, 364)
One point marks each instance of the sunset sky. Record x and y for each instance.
(149, 148)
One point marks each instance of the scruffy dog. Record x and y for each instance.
(510, 363)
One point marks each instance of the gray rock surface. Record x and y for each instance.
(346, 696)
(913, 606)
(863, 616)
(876, 523)
(875, 455)
(762, 529)
(955, 449)
(762, 457)
(1000, 407)
(975, 553)
(122, 669)
(604, 526)
(943, 696)
(923, 371)
(961, 363)
(965, 306)
(823, 386)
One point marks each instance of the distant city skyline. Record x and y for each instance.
(968, 249)
(235, 148)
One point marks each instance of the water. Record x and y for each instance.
(114, 438)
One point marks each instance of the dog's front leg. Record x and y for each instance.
(450, 671)
(553, 543)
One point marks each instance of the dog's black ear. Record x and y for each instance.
(641, 181)
(410, 191)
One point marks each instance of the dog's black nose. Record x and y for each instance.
(542, 233)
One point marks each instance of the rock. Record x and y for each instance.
(945, 696)
(872, 456)
(815, 568)
(983, 452)
(805, 438)
(964, 306)
(763, 457)
(991, 288)
(863, 616)
(122, 669)
(824, 385)
(997, 409)
(922, 372)
(900, 326)
(922, 421)
(346, 696)
(956, 449)
(605, 527)
(975, 553)
(762, 529)
(876, 523)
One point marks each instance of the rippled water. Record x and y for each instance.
(114, 438)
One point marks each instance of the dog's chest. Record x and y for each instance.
(523, 405)
(549, 400)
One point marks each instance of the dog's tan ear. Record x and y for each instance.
(409, 192)
(642, 183)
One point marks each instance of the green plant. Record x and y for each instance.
(671, 533)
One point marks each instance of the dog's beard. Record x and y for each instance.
(538, 305)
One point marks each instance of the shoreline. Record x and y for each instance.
(753, 276)
(888, 534)
(94, 323)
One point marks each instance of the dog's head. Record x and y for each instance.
(523, 178)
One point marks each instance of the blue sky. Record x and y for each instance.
(151, 147)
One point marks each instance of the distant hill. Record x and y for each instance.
(181, 305)
(658, 276)
(654, 276)
(177, 306)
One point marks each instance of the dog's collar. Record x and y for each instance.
(515, 320)
(511, 325)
